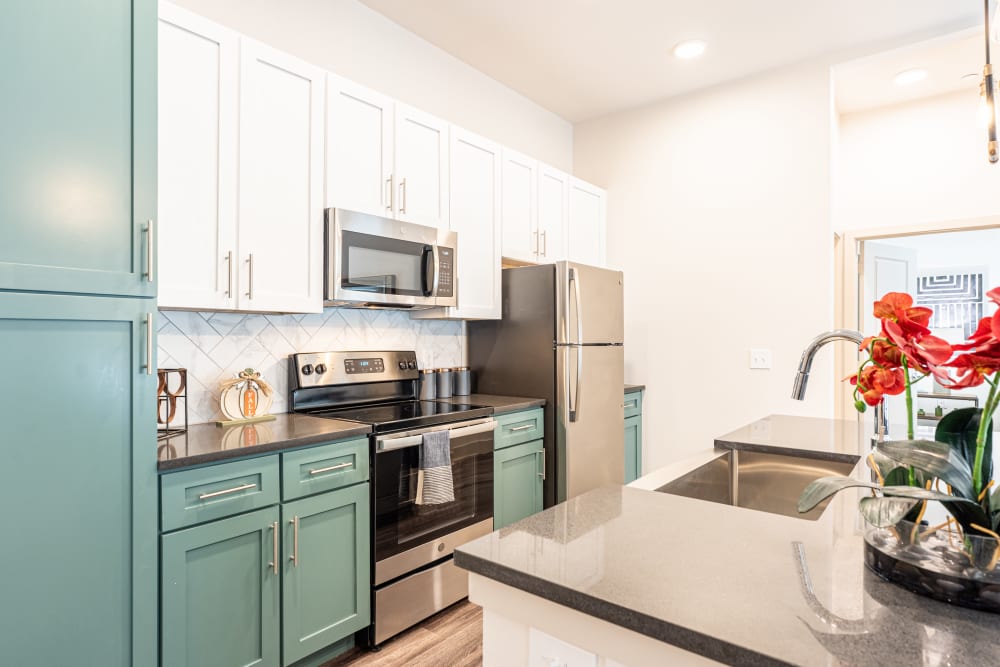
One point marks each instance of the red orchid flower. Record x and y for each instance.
(898, 307)
(983, 335)
(923, 352)
(874, 383)
(973, 369)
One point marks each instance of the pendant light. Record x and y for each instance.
(987, 91)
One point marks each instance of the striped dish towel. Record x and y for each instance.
(434, 480)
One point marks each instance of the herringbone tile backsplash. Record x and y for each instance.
(216, 346)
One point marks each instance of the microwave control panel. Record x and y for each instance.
(446, 272)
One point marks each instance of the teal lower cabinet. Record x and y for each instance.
(325, 594)
(220, 593)
(517, 478)
(252, 586)
(633, 449)
(633, 436)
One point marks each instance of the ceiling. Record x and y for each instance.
(583, 59)
(867, 83)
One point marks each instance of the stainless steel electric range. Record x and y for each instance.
(413, 575)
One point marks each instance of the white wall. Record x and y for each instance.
(922, 161)
(718, 210)
(360, 44)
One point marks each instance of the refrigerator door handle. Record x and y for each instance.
(574, 412)
(574, 277)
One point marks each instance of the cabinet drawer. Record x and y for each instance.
(518, 427)
(205, 494)
(633, 404)
(318, 469)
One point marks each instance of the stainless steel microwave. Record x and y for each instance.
(376, 262)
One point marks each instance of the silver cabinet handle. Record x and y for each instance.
(542, 452)
(521, 428)
(149, 343)
(402, 196)
(631, 404)
(274, 548)
(229, 274)
(328, 469)
(535, 233)
(545, 245)
(250, 277)
(387, 197)
(149, 250)
(295, 541)
(235, 489)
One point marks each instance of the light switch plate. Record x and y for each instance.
(760, 358)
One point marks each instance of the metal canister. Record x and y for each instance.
(428, 384)
(445, 382)
(463, 381)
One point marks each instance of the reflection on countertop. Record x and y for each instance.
(208, 443)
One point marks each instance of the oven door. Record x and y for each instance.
(408, 536)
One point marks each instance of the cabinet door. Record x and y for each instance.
(520, 207)
(219, 593)
(326, 586)
(553, 194)
(77, 422)
(518, 474)
(359, 129)
(475, 217)
(281, 182)
(78, 137)
(585, 225)
(633, 448)
(421, 179)
(198, 99)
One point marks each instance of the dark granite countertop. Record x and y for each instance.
(208, 443)
(727, 582)
(630, 388)
(501, 404)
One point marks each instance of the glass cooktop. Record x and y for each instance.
(405, 415)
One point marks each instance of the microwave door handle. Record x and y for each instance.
(437, 268)
(427, 279)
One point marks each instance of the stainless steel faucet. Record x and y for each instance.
(805, 366)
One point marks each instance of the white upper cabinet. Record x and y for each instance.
(198, 82)
(476, 166)
(420, 181)
(359, 129)
(520, 206)
(281, 181)
(585, 226)
(553, 211)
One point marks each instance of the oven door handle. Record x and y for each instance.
(389, 443)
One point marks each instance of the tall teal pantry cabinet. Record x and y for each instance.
(77, 332)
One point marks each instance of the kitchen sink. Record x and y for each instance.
(760, 481)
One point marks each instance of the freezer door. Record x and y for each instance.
(590, 434)
(589, 305)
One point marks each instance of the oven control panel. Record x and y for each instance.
(367, 365)
(319, 369)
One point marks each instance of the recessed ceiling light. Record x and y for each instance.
(689, 49)
(909, 77)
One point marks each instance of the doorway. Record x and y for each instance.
(949, 272)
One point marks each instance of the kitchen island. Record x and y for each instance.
(629, 576)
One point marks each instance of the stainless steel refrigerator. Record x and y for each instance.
(561, 338)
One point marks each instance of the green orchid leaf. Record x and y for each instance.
(959, 429)
(923, 494)
(824, 487)
(967, 512)
(934, 459)
(885, 512)
(897, 476)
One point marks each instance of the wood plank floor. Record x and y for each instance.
(451, 638)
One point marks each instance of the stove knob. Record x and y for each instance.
(411, 364)
(402, 365)
(307, 369)
(320, 369)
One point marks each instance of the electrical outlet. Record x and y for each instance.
(760, 358)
